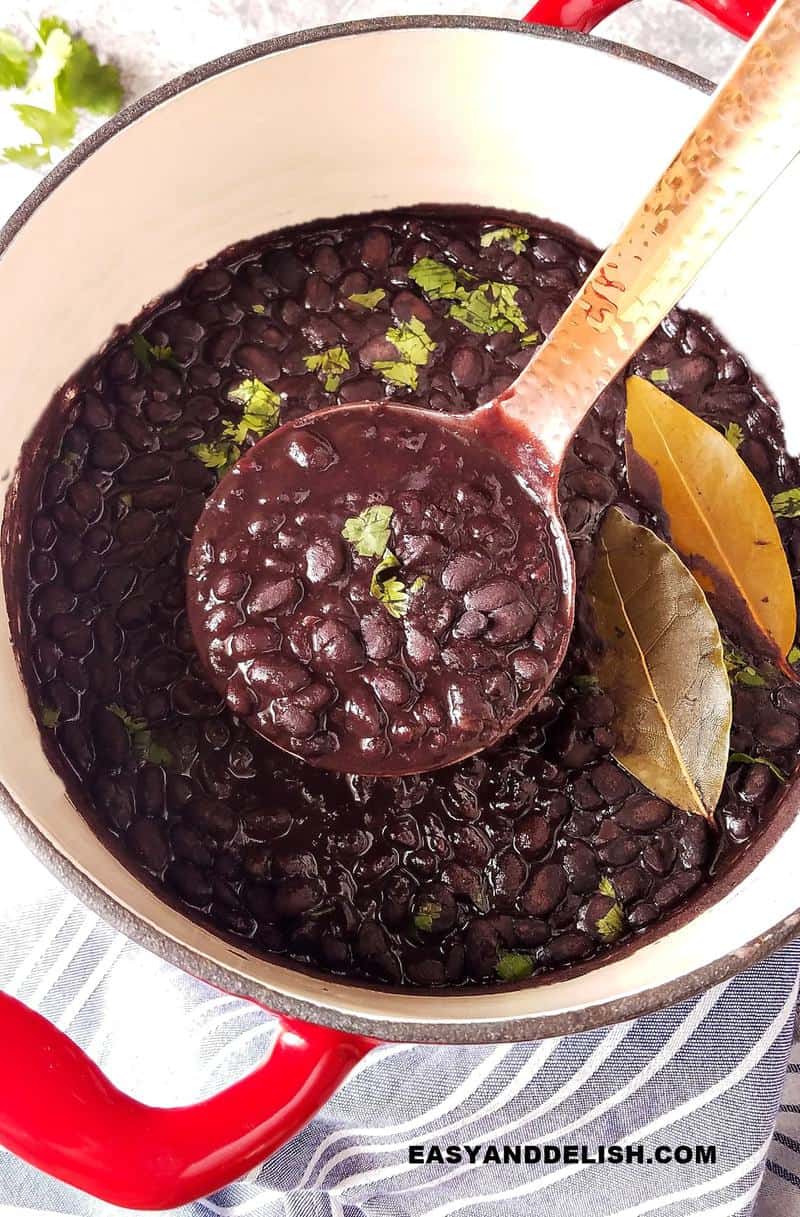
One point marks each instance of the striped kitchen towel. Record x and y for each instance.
(430, 1131)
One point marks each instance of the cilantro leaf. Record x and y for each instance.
(734, 435)
(606, 888)
(659, 376)
(220, 455)
(403, 375)
(141, 737)
(437, 279)
(50, 717)
(51, 58)
(740, 669)
(157, 754)
(133, 724)
(259, 308)
(45, 28)
(87, 84)
(412, 341)
(13, 61)
(368, 532)
(55, 128)
(262, 410)
(794, 654)
(585, 683)
(368, 300)
(514, 236)
(513, 966)
(30, 156)
(489, 308)
(742, 758)
(426, 915)
(787, 503)
(612, 923)
(418, 584)
(331, 364)
(387, 588)
(145, 352)
(529, 340)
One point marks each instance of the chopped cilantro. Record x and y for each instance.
(659, 376)
(606, 888)
(259, 308)
(368, 300)
(142, 737)
(489, 308)
(436, 279)
(418, 583)
(126, 498)
(426, 915)
(734, 434)
(787, 503)
(512, 966)
(331, 364)
(387, 588)
(262, 411)
(403, 375)
(529, 340)
(50, 717)
(53, 83)
(740, 670)
(514, 236)
(220, 455)
(368, 532)
(794, 655)
(611, 925)
(145, 352)
(742, 758)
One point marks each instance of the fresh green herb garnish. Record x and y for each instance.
(145, 352)
(220, 455)
(612, 923)
(740, 670)
(368, 532)
(659, 376)
(427, 913)
(331, 364)
(53, 83)
(794, 655)
(414, 345)
(259, 308)
(606, 888)
(787, 503)
(529, 340)
(142, 737)
(489, 308)
(742, 758)
(512, 966)
(262, 410)
(418, 583)
(126, 498)
(437, 279)
(734, 435)
(50, 717)
(368, 300)
(514, 236)
(387, 588)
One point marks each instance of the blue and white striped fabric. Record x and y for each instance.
(707, 1072)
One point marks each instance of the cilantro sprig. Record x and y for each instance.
(414, 347)
(330, 364)
(368, 532)
(513, 236)
(261, 412)
(484, 308)
(51, 85)
(612, 923)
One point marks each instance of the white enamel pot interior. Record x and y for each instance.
(338, 121)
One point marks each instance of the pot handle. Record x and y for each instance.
(741, 17)
(59, 1112)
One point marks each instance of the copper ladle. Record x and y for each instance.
(746, 138)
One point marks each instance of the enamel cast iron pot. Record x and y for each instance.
(499, 114)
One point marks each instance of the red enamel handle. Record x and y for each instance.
(739, 16)
(60, 1113)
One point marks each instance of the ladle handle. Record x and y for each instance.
(746, 138)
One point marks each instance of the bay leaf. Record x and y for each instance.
(717, 517)
(662, 663)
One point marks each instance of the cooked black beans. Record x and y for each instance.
(493, 869)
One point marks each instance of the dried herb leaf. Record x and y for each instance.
(368, 532)
(742, 758)
(718, 518)
(662, 663)
(512, 966)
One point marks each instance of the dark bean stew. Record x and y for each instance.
(387, 646)
(539, 852)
